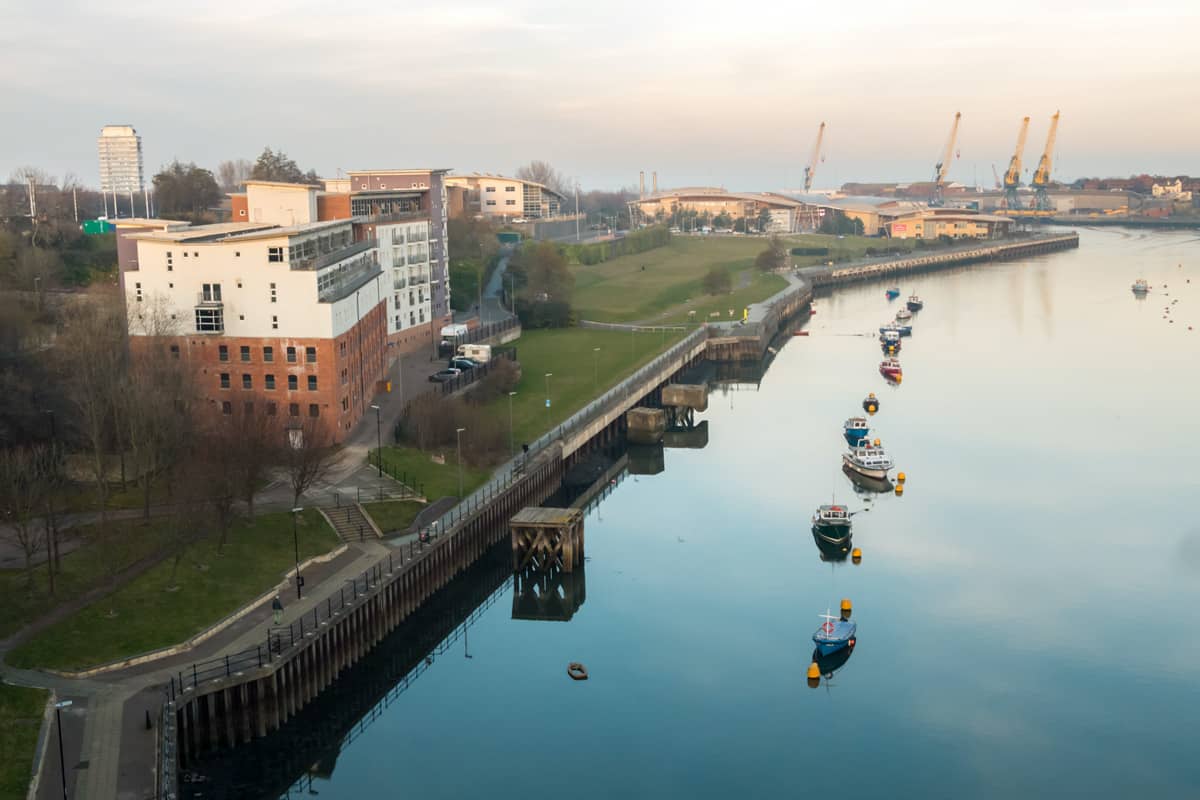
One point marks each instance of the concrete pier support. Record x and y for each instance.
(646, 425)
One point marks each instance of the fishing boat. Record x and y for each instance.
(893, 293)
(903, 330)
(834, 634)
(868, 459)
(855, 430)
(890, 340)
(915, 303)
(1140, 286)
(903, 314)
(831, 663)
(871, 403)
(831, 553)
(890, 369)
(867, 486)
(832, 523)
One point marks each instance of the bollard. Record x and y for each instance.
(258, 649)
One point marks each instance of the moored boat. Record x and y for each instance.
(868, 459)
(855, 430)
(893, 293)
(1140, 286)
(832, 523)
(903, 314)
(915, 303)
(890, 340)
(831, 553)
(834, 634)
(871, 403)
(867, 486)
(903, 330)
(890, 369)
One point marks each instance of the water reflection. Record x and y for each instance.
(831, 552)
(549, 594)
(864, 485)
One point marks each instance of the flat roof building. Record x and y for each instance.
(121, 170)
(504, 197)
(786, 215)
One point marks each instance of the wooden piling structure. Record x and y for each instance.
(547, 537)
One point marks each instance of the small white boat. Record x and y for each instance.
(869, 460)
(1140, 286)
(903, 314)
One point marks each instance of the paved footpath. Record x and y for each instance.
(109, 751)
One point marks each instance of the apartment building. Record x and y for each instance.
(506, 198)
(121, 169)
(287, 313)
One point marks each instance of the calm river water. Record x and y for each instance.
(1027, 611)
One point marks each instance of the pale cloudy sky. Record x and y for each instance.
(703, 92)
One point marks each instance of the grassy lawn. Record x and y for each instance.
(397, 514)
(438, 480)
(20, 720)
(105, 551)
(145, 615)
(760, 286)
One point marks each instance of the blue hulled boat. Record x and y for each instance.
(834, 634)
(855, 430)
(903, 330)
(893, 293)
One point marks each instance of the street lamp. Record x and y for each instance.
(512, 449)
(548, 376)
(378, 438)
(296, 545)
(458, 438)
(62, 764)
(595, 368)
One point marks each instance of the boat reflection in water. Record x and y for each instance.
(863, 484)
(829, 664)
(830, 552)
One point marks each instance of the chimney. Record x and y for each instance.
(641, 185)
(654, 180)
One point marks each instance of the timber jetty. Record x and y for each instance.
(241, 696)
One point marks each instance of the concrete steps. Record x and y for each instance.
(351, 523)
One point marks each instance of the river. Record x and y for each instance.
(1026, 611)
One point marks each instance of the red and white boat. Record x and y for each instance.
(890, 369)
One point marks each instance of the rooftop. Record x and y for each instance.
(406, 171)
(286, 184)
(235, 231)
(721, 194)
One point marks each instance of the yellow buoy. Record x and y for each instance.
(814, 672)
(871, 395)
(900, 476)
(847, 606)
(856, 554)
(899, 488)
(899, 378)
(871, 409)
(877, 443)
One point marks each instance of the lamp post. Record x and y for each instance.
(595, 368)
(62, 765)
(548, 376)
(512, 449)
(458, 438)
(378, 438)
(296, 545)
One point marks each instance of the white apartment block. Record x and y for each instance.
(121, 169)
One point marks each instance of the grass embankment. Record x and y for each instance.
(395, 515)
(158, 609)
(20, 720)
(579, 375)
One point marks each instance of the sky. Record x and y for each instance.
(704, 93)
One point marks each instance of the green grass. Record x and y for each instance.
(105, 551)
(761, 286)
(144, 615)
(437, 480)
(20, 720)
(395, 515)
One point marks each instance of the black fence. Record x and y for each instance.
(467, 377)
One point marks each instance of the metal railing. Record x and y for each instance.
(341, 254)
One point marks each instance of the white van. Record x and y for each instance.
(481, 353)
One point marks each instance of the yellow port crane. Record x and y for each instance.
(943, 165)
(1041, 176)
(1012, 176)
(811, 169)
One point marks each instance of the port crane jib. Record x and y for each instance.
(943, 165)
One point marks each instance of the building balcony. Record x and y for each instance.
(324, 260)
(210, 317)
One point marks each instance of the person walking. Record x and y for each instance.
(277, 607)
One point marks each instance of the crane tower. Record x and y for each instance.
(1041, 176)
(943, 165)
(1012, 176)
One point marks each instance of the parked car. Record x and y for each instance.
(463, 363)
(441, 376)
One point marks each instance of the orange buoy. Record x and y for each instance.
(899, 489)
(901, 477)
(856, 555)
(814, 672)
(847, 606)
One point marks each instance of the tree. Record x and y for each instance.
(464, 283)
(541, 172)
(718, 281)
(24, 473)
(307, 456)
(232, 174)
(723, 220)
(774, 257)
(545, 285)
(253, 434)
(185, 191)
(274, 165)
(764, 219)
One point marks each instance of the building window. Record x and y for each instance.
(270, 381)
(270, 409)
(247, 381)
(245, 352)
(211, 292)
(310, 355)
(224, 380)
(293, 383)
(293, 409)
(491, 202)
(510, 188)
(268, 354)
(342, 347)
(510, 202)
(345, 404)
(238, 253)
(274, 297)
(210, 320)
(223, 352)
(312, 383)
(291, 355)
(226, 406)
(274, 323)
(489, 188)
(275, 254)
(345, 377)
(138, 286)
(174, 351)
(314, 410)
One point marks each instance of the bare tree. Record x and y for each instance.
(23, 473)
(233, 173)
(307, 456)
(214, 473)
(257, 445)
(541, 172)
